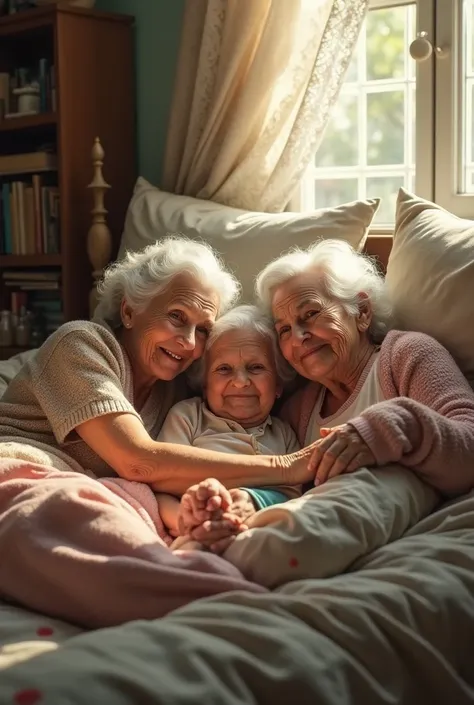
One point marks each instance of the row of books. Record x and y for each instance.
(47, 305)
(40, 76)
(37, 280)
(29, 218)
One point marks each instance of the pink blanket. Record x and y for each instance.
(142, 499)
(73, 549)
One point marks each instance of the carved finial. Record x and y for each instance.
(99, 238)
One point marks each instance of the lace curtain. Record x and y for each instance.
(255, 83)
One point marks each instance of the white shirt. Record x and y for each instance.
(367, 392)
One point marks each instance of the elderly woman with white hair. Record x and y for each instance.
(374, 396)
(91, 401)
(240, 376)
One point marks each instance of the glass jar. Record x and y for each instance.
(6, 329)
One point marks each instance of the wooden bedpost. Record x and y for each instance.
(99, 238)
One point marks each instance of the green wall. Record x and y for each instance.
(157, 34)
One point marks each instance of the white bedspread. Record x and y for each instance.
(397, 628)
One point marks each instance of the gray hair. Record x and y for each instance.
(344, 274)
(245, 317)
(140, 276)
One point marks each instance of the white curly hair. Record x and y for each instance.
(244, 317)
(341, 272)
(140, 276)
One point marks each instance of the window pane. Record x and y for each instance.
(468, 96)
(386, 43)
(332, 192)
(385, 128)
(471, 112)
(353, 70)
(370, 139)
(385, 188)
(339, 147)
(470, 33)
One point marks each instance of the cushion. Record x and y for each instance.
(430, 275)
(247, 241)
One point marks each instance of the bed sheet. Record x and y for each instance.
(397, 627)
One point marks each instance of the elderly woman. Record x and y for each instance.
(240, 376)
(91, 401)
(374, 396)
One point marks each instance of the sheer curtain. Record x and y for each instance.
(255, 82)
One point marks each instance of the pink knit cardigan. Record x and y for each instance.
(427, 419)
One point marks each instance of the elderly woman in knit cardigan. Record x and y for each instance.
(91, 401)
(374, 396)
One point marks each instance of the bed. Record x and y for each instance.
(374, 611)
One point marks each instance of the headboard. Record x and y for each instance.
(99, 238)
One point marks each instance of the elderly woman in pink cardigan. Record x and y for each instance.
(374, 396)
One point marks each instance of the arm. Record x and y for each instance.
(122, 441)
(429, 425)
(79, 382)
(287, 443)
(168, 507)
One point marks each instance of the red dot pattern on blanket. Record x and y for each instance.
(293, 562)
(27, 697)
(45, 631)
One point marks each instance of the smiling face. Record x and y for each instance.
(164, 339)
(241, 380)
(317, 336)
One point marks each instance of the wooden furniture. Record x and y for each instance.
(92, 53)
(99, 237)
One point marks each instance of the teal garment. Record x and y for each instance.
(267, 497)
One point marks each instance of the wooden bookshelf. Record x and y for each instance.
(92, 52)
(27, 122)
(27, 261)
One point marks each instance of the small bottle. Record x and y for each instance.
(22, 330)
(6, 329)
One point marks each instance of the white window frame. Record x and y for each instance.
(425, 121)
(449, 111)
(438, 126)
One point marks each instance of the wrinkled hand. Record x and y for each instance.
(295, 467)
(200, 503)
(220, 531)
(341, 450)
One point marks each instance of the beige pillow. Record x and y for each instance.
(430, 275)
(247, 241)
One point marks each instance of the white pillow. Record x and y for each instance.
(247, 241)
(430, 275)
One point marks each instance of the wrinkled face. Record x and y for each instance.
(317, 336)
(241, 381)
(165, 338)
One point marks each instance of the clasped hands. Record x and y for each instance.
(213, 516)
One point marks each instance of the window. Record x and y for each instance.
(400, 122)
(468, 97)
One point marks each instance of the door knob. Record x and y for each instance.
(421, 48)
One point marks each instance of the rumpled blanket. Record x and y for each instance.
(394, 623)
(73, 549)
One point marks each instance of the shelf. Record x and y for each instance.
(31, 261)
(45, 16)
(27, 122)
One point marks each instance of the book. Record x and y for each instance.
(23, 163)
(29, 218)
(6, 216)
(16, 274)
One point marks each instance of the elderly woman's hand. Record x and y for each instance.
(201, 502)
(341, 450)
(219, 532)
